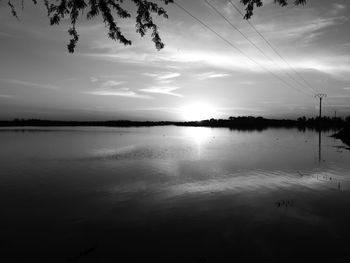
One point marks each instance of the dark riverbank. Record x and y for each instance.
(244, 123)
(344, 134)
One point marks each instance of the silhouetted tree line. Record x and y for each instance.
(54, 123)
(260, 123)
(241, 122)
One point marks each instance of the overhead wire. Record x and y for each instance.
(238, 49)
(256, 46)
(273, 48)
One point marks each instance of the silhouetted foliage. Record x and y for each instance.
(112, 10)
(109, 10)
(251, 4)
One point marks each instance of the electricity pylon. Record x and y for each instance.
(320, 96)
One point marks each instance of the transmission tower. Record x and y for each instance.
(320, 96)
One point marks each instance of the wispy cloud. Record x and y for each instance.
(132, 57)
(329, 64)
(211, 75)
(115, 88)
(169, 76)
(111, 84)
(337, 8)
(239, 109)
(228, 61)
(166, 109)
(299, 30)
(347, 88)
(163, 83)
(163, 90)
(186, 58)
(32, 84)
(121, 92)
(163, 75)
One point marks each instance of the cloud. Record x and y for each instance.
(224, 60)
(210, 75)
(132, 57)
(239, 109)
(163, 75)
(230, 61)
(169, 76)
(32, 84)
(166, 109)
(121, 92)
(113, 88)
(302, 27)
(165, 82)
(299, 29)
(162, 82)
(337, 8)
(347, 88)
(150, 74)
(93, 79)
(335, 65)
(163, 90)
(111, 84)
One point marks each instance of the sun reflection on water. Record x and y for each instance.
(199, 136)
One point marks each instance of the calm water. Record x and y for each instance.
(173, 194)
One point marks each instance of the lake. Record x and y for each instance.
(173, 194)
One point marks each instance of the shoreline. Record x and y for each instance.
(243, 123)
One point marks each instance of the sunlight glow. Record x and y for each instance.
(198, 112)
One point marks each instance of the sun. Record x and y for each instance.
(198, 112)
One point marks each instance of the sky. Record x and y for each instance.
(198, 75)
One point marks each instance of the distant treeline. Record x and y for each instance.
(242, 122)
(249, 122)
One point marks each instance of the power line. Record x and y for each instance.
(252, 43)
(236, 48)
(274, 49)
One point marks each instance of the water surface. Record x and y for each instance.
(173, 194)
